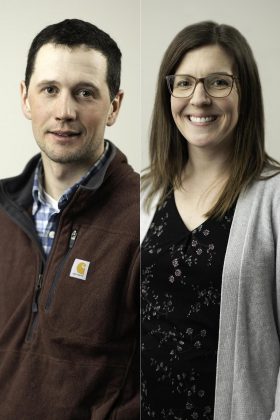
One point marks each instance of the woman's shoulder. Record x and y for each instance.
(262, 193)
(269, 181)
(148, 205)
(148, 201)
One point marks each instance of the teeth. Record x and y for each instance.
(201, 119)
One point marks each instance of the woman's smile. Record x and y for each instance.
(203, 120)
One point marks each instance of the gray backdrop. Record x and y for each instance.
(143, 30)
(257, 20)
(20, 21)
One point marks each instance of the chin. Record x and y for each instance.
(202, 142)
(68, 159)
(65, 157)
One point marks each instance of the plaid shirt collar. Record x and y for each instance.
(44, 214)
(38, 190)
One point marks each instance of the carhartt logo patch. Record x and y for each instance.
(79, 269)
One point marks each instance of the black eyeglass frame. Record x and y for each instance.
(197, 80)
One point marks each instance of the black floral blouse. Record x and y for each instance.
(181, 288)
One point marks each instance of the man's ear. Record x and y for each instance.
(24, 100)
(114, 108)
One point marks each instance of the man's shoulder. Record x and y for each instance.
(121, 194)
(124, 178)
(125, 195)
(19, 185)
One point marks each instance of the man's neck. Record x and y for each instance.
(59, 177)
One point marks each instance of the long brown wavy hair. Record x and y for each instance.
(168, 148)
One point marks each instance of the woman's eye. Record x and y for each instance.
(220, 82)
(184, 83)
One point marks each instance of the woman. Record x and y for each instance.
(210, 224)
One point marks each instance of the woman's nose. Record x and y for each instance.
(200, 96)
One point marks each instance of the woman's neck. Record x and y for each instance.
(206, 167)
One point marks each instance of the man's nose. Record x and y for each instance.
(65, 107)
(200, 96)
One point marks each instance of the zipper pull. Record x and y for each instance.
(73, 238)
(39, 282)
(38, 287)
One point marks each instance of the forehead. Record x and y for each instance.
(54, 62)
(204, 60)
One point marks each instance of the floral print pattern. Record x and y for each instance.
(180, 292)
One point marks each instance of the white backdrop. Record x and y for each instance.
(20, 21)
(258, 21)
(142, 42)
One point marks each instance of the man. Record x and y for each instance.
(69, 241)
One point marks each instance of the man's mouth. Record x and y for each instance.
(202, 119)
(65, 133)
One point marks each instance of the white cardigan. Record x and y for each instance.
(248, 380)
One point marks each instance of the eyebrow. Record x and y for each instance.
(79, 84)
(222, 73)
(87, 84)
(47, 82)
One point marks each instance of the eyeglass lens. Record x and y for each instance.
(216, 85)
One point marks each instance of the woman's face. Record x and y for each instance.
(203, 120)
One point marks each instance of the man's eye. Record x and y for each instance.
(85, 93)
(50, 90)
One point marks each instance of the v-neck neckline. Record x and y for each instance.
(182, 223)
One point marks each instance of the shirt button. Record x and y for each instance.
(51, 234)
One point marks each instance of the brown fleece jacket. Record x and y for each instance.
(69, 347)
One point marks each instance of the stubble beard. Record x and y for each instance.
(88, 153)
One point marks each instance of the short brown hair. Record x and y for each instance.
(74, 33)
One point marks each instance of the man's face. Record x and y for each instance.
(68, 103)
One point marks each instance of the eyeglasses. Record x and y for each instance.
(217, 85)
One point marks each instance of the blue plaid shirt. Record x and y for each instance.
(44, 214)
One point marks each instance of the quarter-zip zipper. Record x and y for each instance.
(38, 287)
(73, 238)
(71, 243)
(23, 220)
(34, 313)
